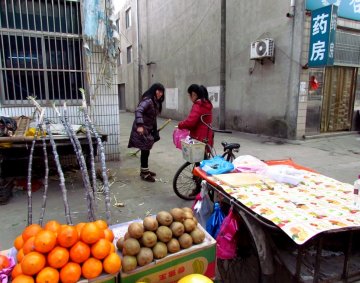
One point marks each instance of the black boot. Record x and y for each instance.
(146, 175)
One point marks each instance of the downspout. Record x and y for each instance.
(138, 50)
(292, 105)
(222, 64)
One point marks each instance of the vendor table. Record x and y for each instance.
(308, 228)
(17, 147)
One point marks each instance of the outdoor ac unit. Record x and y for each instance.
(263, 48)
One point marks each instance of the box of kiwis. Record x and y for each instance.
(164, 247)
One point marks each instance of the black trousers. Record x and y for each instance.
(144, 158)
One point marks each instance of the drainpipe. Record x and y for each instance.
(222, 64)
(138, 50)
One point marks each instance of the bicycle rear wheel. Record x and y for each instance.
(184, 182)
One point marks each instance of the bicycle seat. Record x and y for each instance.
(230, 146)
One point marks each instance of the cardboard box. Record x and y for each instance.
(199, 258)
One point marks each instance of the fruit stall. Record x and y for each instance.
(301, 226)
(168, 247)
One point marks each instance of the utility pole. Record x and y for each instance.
(222, 64)
(138, 50)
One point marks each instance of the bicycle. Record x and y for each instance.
(184, 182)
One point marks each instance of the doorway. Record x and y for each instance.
(338, 100)
(121, 94)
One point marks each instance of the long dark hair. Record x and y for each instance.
(200, 91)
(151, 94)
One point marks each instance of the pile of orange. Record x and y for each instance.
(63, 253)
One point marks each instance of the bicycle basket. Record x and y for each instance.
(193, 152)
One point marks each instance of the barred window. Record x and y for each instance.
(40, 51)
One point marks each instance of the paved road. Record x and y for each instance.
(336, 156)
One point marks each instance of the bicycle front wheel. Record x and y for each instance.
(185, 183)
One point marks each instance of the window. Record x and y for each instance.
(119, 60)
(129, 54)
(128, 18)
(118, 25)
(46, 64)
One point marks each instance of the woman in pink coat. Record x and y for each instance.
(201, 106)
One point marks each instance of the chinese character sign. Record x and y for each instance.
(322, 36)
(349, 9)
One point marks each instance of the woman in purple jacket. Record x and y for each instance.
(144, 130)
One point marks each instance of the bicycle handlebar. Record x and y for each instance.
(211, 128)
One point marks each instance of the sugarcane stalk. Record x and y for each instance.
(46, 185)
(29, 192)
(102, 159)
(92, 156)
(61, 174)
(80, 157)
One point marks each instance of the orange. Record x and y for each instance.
(20, 255)
(52, 225)
(91, 233)
(30, 231)
(23, 279)
(79, 227)
(29, 245)
(101, 224)
(48, 275)
(112, 263)
(16, 271)
(32, 263)
(70, 273)
(4, 262)
(18, 242)
(112, 249)
(109, 235)
(45, 241)
(79, 252)
(58, 257)
(67, 236)
(91, 268)
(101, 249)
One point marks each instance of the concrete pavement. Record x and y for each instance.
(334, 156)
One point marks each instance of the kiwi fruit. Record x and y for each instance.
(178, 214)
(149, 239)
(177, 228)
(185, 241)
(173, 246)
(159, 250)
(164, 234)
(136, 230)
(128, 263)
(150, 223)
(145, 256)
(197, 235)
(131, 246)
(189, 225)
(120, 243)
(164, 218)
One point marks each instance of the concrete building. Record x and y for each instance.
(42, 55)
(179, 43)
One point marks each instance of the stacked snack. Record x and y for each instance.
(64, 253)
(153, 239)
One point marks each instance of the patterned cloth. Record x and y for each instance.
(315, 205)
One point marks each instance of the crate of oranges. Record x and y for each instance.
(64, 253)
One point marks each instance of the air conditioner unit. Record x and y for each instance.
(263, 48)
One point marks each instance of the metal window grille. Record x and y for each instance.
(40, 51)
(347, 49)
(129, 54)
(128, 18)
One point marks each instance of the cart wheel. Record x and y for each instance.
(184, 182)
